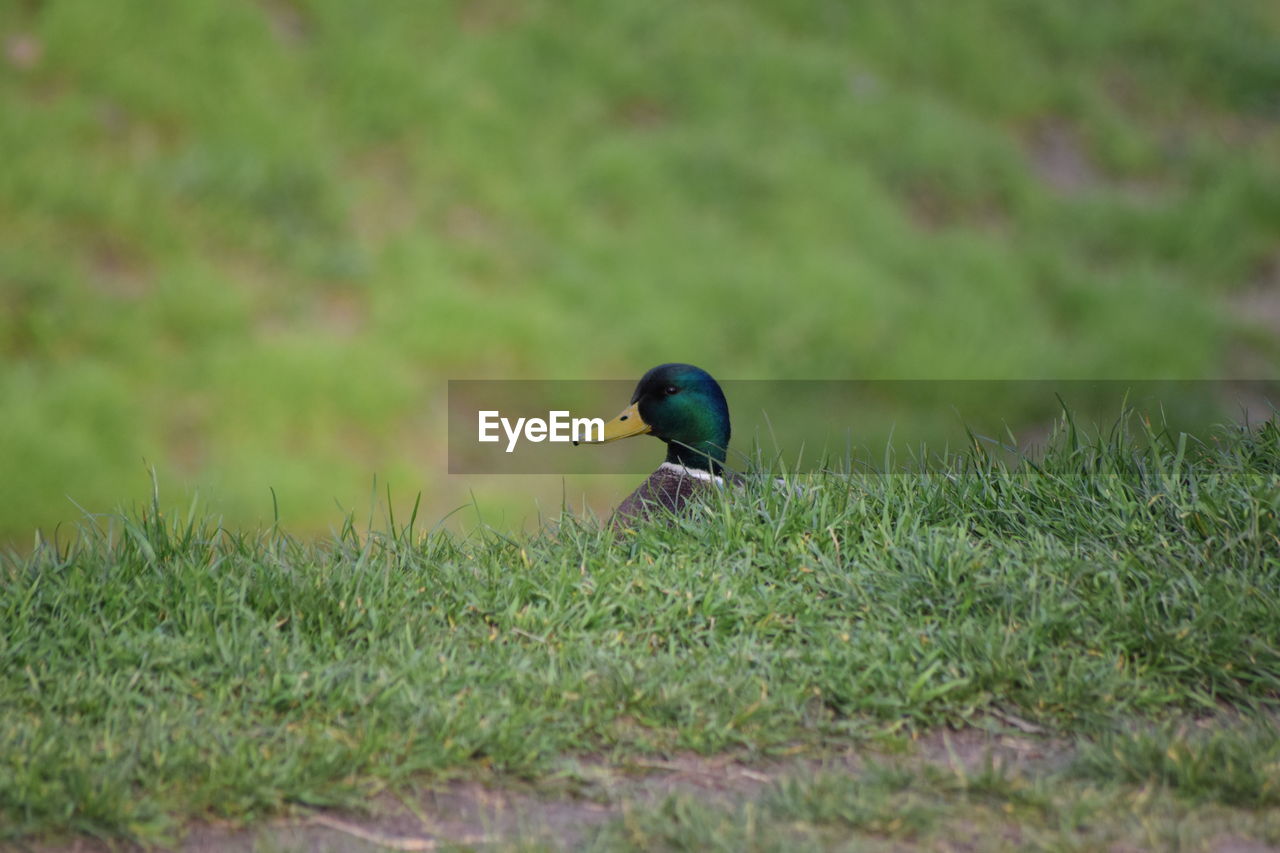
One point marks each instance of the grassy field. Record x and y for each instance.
(1118, 598)
(247, 243)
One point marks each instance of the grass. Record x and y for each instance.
(248, 244)
(1172, 786)
(1238, 767)
(993, 808)
(160, 667)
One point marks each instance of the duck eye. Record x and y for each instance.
(671, 389)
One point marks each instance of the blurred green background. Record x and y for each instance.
(247, 243)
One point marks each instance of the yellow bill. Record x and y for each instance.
(626, 424)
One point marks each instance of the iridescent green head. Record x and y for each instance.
(682, 405)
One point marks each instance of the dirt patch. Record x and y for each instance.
(642, 114)
(1232, 844)
(384, 205)
(117, 271)
(460, 813)
(288, 23)
(1256, 311)
(933, 208)
(1060, 158)
(586, 791)
(23, 51)
(1259, 304)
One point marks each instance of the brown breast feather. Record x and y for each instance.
(665, 493)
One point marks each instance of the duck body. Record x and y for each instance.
(667, 492)
(684, 407)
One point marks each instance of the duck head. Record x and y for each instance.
(682, 405)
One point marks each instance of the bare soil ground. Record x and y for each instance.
(587, 791)
(561, 810)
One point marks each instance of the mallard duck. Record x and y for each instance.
(682, 405)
